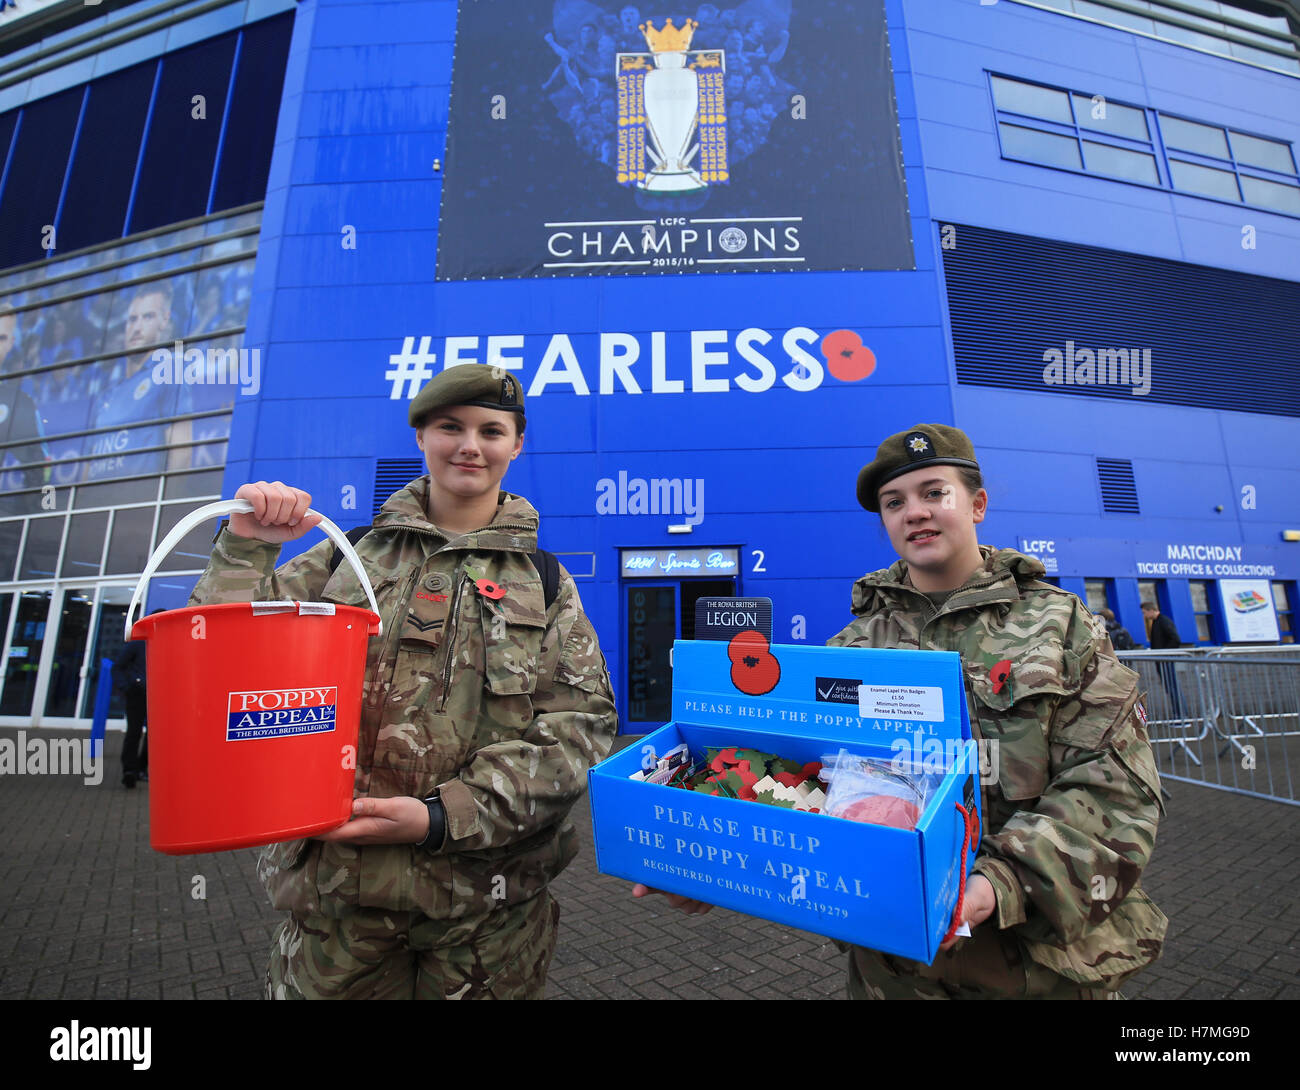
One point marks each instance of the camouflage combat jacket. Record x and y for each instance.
(1071, 819)
(503, 705)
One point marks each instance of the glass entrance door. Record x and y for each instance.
(107, 643)
(69, 653)
(23, 652)
(651, 627)
(655, 615)
(56, 642)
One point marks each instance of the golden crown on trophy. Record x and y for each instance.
(670, 39)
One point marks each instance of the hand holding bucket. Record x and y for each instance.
(254, 709)
(241, 507)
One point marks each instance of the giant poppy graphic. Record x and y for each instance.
(754, 669)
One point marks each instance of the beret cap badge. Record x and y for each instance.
(919, 446)
(468, 384)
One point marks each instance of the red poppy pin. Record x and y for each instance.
(489, 589)
(754, 669)
(485, 586)
(1000, 674)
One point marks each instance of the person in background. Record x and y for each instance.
(1119, 635)
(1163, 636)
(129, 674)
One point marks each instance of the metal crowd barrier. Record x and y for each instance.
(1224, 717)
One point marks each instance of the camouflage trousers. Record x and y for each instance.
(990, 964)
(376, 954)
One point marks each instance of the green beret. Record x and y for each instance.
(920, 446)
(469, 384)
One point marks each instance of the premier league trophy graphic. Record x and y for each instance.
(679, 103)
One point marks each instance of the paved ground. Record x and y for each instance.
(89, 911)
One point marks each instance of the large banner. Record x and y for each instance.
(588, 139)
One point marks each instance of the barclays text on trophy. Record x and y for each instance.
(675, 95)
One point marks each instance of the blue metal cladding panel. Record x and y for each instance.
(1008, 331)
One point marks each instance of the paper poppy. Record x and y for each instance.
(489, 589)
(999, 674)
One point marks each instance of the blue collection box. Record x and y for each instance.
(872, 885)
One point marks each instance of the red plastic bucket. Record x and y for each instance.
(253, 711)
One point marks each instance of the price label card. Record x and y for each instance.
(923, 703)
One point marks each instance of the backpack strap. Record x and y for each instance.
(354, 535)
(548, 567)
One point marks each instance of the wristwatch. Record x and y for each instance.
(437, 824)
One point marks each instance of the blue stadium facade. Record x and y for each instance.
(1071, 229)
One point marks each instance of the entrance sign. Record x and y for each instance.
(658, 563)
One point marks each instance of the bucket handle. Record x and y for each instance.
(240, 507)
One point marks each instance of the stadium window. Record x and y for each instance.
(1119, 162)
(1095, 591)
(1283, 603)
(181, 144)
(1204, 181)
(1182, 135)
(1074, 131)
(103, 168)
(1111, 117)
(1201, 593)
(1070, 130)
(1032, 100)
(73, 156)
(1253, 31)
(250, 131)
(1230, 165)
(38, 163)
(1051, 149)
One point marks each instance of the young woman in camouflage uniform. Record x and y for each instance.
(480, 717)
(1054, 901)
